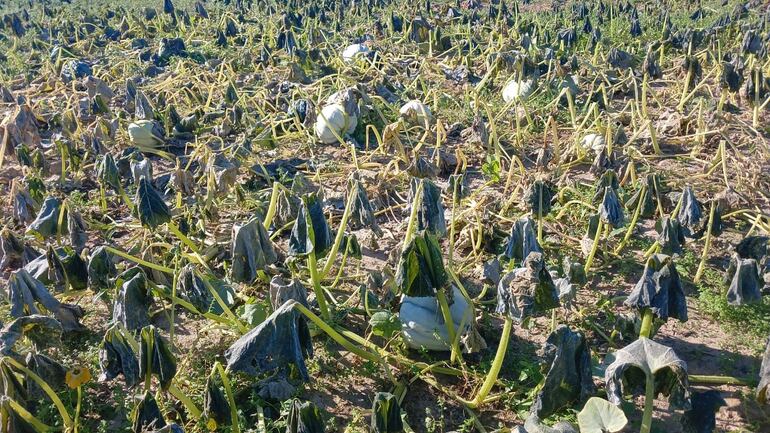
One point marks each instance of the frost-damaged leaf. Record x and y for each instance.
(569, 377)
(65, 267)
(146, 416)
(574, 271)
(155, 358)
(386, 414)
(600, 416)
(527, 291)
(43, 331)
(117, 357)
(310, 233)
(24, 291)
(670, 236)
(101, 269)
(522, 240)
(193, 288)
(610, 210)
(24, 206)
(648, 198)
(50, 370)
(149, 205)
(430, 214)
(215, 404)
(46, 224)
(132, 304)
(421, 267)
(660, 289)
(252, 251)
(13, 421)
(702, 417)
(763, 389)
(752, 247)
(13, 252)
(746, 284)
(608, 179)
(645, 358)
(690, 215)
(281, 291)
(282, 339)
(362, 214)
(538, 197)
(304, 417)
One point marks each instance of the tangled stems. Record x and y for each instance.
(65, 416)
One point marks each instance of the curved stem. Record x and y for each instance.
(634, 219)
(312, 266)
(272, 208)
(340, 233)
(497, 364)
(65, 416)
(448, 322)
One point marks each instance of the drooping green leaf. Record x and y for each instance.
(304, 417)
(146, 416)
(117, 357)
(283, 339)
(42, 331)
(101, 269)
(149, 206)
(25, 292)
(252, 251)
(386, 414)
(132, 305)
(155, 357)
(421, 267)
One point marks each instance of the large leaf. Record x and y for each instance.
(42, 331)
(14, 253)
(192, 287)
(642, 359)
(149, 205)
(386, 414)
(310, 233)
(283, 339)
(702, 417)
(215, 404)
(538, 197)
(304, 417)
(690, 215)
(660, 289)
(670, 236)
(155, 357)
(746, 284)
(421, 267)
(430, 214)
(66, 268)
(282, 291)
(25, 292)
(610, 209)
(252, 251)
(362, 214)
(527, 291)
(600, 416)
(46, 224)
(132, 305)
(569, 377)
(117, 357)
(146, 416)
(101, 269)
(50, 370)
(522, 240)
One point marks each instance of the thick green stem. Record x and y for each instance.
(594, 247)
(649, 403)
(312, 266)
(273, 206)
(448, 322)
(139, 261)
(634, 219)
(646, 328)
(720, 380)
(65, 416)
(704, 257)
(336, 336)
(340, 233)
(236, 428)
(412, 226)
(497, 364)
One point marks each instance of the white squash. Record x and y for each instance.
(331, 120)
(518, 90)
(147, 133)
(422, 324)
(593, 142)
(352, 52)
(416, 112)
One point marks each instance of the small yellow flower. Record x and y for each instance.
(77, 377)
(211, 424)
